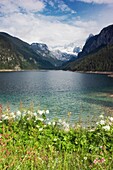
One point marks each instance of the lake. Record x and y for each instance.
(84, 95)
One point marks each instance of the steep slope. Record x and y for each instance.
(97, 53)
(47, 55)
(17, 53)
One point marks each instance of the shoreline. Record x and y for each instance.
(109, 73)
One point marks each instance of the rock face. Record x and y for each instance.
(94, 43)
(97, 53)
(40, 48)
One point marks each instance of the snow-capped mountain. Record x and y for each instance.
(66, 52)
(59, 53)
(71, 48)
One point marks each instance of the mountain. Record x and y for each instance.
(15, 53)
(47, 55)
(67, 52)
(97, 53)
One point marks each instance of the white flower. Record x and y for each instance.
(12, 114)
(6, 118)
(0, 121)
(35, 114)
(101, 116)
(111, 119)
(47, 111)
(54, 123)
(85, 158)
(97, 123)
(107, 127)
(41, 119)
(60, 121)
(40, 129)
(41, 112)
(37, 126)
(102, 122)
(18, 113)
(3, 116)
(49, 123)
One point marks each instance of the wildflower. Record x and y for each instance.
(101, 116)
(54, 123)
(60, 121)
(41, 119)
(102, 122)
(97, 123)
(106, 128)
(96, 161)
(18, 113)
(35, 114)
(49, 123)
(47, 111)
(0, 121)
(37, 126)
(41, 112)
(111, 119)
(55, 139)
(5, 117)
(85, 158)
(40, 129)
(102, 160)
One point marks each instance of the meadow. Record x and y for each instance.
(30, 141)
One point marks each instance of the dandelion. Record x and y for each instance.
(106, 128)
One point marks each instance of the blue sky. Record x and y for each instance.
(55, 22)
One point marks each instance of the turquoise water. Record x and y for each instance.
(59, 91)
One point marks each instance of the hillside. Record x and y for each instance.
(17, 53)
(97, 53)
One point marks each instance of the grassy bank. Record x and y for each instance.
(30, 141)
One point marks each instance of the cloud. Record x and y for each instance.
(11, 6)
(24, 20)
(49, 30)
(64, 7)
(96, 1)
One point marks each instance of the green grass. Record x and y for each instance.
(29, 141)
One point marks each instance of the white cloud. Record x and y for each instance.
(52, 30)
(11, 6)
(97, 1)
(64, 8)
(47, 30)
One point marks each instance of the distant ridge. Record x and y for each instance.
(15, 53)
(97, 53)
